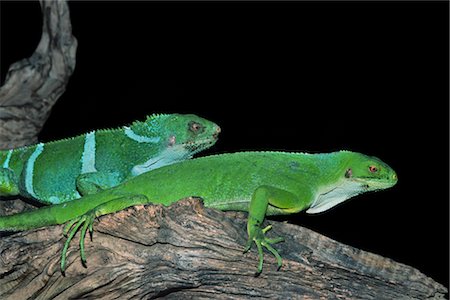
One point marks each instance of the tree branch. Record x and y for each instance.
(188, 251)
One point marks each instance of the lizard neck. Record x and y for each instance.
(332, 195)
(335, 189)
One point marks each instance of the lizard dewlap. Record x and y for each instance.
(261, 183)
(64, 170)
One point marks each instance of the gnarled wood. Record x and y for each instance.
(33, 85)
(188, 251)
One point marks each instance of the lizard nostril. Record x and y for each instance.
(218, 130)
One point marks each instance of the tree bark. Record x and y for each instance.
(187, 251)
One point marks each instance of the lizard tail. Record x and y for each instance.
(28, 220)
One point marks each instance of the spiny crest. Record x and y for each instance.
(19, 149)
(153, 117)
(81, 135)
(345, 151)
(150, 126)
(277, 152)
(152, 121)
(324, 157)
(154, 125)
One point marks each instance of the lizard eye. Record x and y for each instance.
(373, 169)
(195, 127)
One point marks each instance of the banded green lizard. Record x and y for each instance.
(64, 170)
(262, 183)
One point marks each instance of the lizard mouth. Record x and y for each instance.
(197, 146)
(374, 184)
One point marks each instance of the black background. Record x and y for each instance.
(297, 76)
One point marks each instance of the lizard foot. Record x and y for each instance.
(257, 235)
(71, 229)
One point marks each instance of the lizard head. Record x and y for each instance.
(186, 133)
(357, 173)
(372, 173)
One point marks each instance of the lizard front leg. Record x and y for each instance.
(8, 183)
(283, 201)
(94, 182)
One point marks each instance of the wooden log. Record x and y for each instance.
(187, 251)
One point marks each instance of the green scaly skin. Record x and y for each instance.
(262, 183)
(64, 170)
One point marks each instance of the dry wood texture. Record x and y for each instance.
(188, 251)
(33, 85)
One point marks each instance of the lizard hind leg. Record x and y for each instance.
(85, 222)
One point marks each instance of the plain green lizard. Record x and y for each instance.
(262, 183)
(64, 170)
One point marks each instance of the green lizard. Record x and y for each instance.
(262, 183)
(64, 170)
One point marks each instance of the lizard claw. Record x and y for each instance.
(71, 229)
(258, 237)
